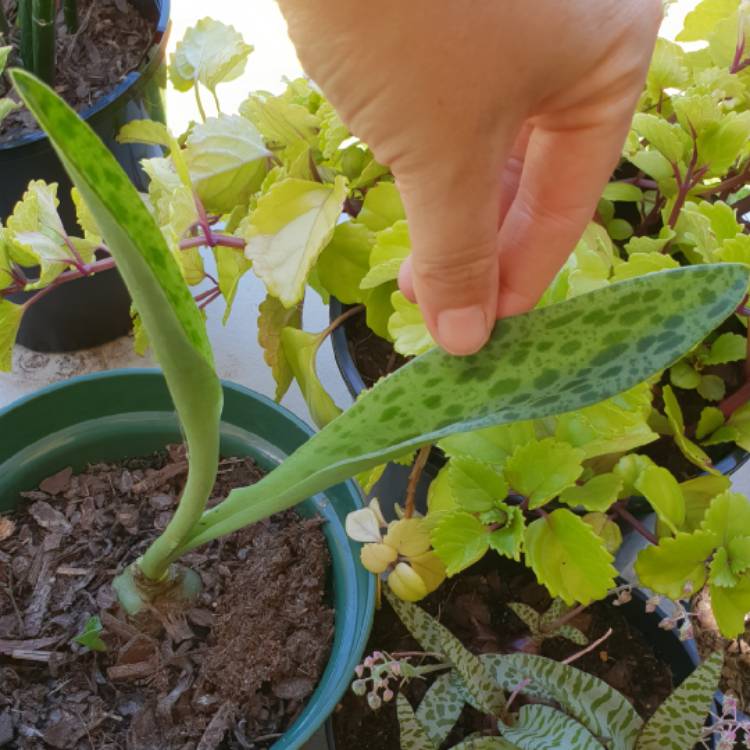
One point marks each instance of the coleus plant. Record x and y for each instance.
(563, 707)
(564, 367)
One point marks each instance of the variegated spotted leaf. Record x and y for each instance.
(600, 708)
(528, 615)
(549, 361)
(545, 728)
(486, 693)
(440, 708)
(413, 735)
(678, 722)
(479, 742)
(573, 634)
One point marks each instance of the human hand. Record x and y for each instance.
(501, 121)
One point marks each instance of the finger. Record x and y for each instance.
(563, 177)
(452, 212)
(509, 180)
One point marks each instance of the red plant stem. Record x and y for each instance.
(223, 240)
(208, 293)
(739, 398)
(414, 475)
(629, 518)
(730, 185)
(208, 300)
(738, 63)
(685, 184)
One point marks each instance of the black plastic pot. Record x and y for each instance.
(88, 312)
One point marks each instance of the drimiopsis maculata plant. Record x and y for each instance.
(562, 707)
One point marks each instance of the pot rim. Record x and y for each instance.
(155, 53)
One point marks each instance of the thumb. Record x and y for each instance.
(453, 269)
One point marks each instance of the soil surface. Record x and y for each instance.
(231, 670)
(374, 357)
(473, 605)
(111, 41)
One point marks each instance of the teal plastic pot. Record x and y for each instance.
(127, 413)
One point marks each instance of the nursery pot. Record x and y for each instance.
(88, 312)
(119, 414)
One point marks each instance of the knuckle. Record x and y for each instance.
(472, 265)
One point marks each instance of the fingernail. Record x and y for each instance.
(463, 330)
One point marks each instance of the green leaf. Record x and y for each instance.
(210, 53)
(620, 229)
(674, 562)
(382, 207)
(730, 606)
(545, 728)
(569, 558)
(485, 743)
(285, 125)
(333, 132)
(413, 734)
(6, 107)
(703, 18)
(146, 131)
(10, 320)
(273, 318)
(729, 347)
(710, 420)
(290, 226)
(391, 248)
(231, 265)
(720, 572)
(738, 550)
(670, 140)
(664, 495)
(668, 68)
(727, 518)
(712, 388)
(90, 636)
(597, 494)
(720, 145)
(687, 447)
(551, 360)
(646, 245)
(344, 262)
(440, 708)
(475, 485)
(459, 540)
(601, 709)
(436, 638)
(616, 425)
(300, 350)
(699, 493)
(492, 445)
(407, 328)
(692, 702)
(542, 469)
(226, 158)
(622, 191)
(85, 218)
(174, 324)
(37, 235)
(655, 165)
(639, 264)
(684, 375)
(507, 540)
(379, 309)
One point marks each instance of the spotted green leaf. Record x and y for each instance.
(440, 708)
(569, 558)
(210, 53)
(589, 700)
(549, 361)
(174, 324)
(485, 743)
(471, 670)
(545, 728)
(413, 735)
(691, 702)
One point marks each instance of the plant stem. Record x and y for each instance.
(199, 102)
(44, 39)
(628, 517)
(739, 398)
(24, 21)
(414, 475)
(70, 13)
(350, 313)
(588, 648)
(223, 240)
